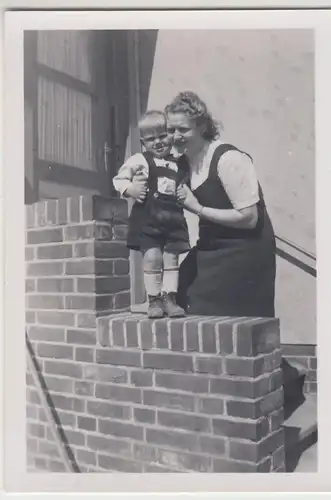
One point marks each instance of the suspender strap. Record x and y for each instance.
(152, 179)
(160, 171)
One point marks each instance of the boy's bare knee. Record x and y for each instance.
(153, 259)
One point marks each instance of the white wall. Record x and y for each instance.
(260, 84)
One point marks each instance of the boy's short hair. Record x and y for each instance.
(152, 116)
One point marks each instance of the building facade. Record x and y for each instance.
(85, 90)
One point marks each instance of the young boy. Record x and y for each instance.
(157, 225)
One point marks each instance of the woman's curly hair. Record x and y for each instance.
(193, 107)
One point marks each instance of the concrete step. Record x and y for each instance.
(306, 462)
(300, 429)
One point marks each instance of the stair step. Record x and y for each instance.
(301, 426)
(307, 461)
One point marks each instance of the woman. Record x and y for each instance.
(231, 271)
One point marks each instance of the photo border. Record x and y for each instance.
(16, 479)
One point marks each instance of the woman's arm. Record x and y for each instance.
(237, 175)
(245, 218)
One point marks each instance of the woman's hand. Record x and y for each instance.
(138, 189)
(181, 193)
(185, 196)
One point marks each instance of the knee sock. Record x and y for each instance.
(153, 282)
(170, 280)
(153, 271)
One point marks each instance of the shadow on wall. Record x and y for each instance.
(147, 48)
(29, 195)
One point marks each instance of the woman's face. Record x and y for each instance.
(186, 135)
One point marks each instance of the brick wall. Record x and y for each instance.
(42, 449)
(131, 394)
(77, 269)
(197, 394)
(76, 260)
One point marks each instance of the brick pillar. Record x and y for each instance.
(77, 270)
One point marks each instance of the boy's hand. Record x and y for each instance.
(181, 193)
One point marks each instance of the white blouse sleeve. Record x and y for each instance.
(237, 174)
(124, 177)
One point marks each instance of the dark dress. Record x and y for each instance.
(160, 221)
(230, 272)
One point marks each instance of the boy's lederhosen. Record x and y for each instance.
(160, 220)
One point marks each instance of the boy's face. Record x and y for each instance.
(156, 139)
